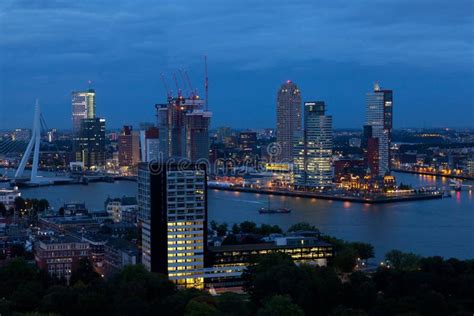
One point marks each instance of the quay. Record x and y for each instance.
(437, 174)
(376, 199)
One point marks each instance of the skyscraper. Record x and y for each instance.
(172, 205)
(313, 152)
(184, 128)
(128, 147)
(90, 143)
(150, 144)
(379, 115)
(83, 107)
(288, 118)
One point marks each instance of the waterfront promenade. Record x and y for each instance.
(339, 196)
(436, 174)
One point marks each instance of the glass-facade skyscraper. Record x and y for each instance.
(83, 107)
(313, 151)
(90, 143)
(288, 119)
(379, 116)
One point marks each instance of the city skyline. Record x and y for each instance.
(129, 49)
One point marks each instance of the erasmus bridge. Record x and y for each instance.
(34, 146)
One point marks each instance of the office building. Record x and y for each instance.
(225, 264)
(184, 128)
(379, 115)
(89, 144)
(288, 119)
(313, 152)
(248, 141)
(172, 204)
(83, 107)
(128, 147)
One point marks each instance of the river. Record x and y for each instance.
(433, 227)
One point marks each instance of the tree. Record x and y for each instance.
(201, 306)
(248, 227)
(266, 229)
(230, 240)
(221, 229)
(232, 304)
(403, 261)
(235, 229)
(214, 225)
(280, 305)
(85, 273)
(302, 226)
(364, 250)
(3, 210)
(19, 204)
(61, 211)
(345, 259)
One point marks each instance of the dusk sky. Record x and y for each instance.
(422, 49)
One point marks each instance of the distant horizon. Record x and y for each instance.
(213, 128)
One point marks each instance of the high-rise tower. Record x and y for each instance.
(83, 107)
(379, 115)
(313, 152)
(288, 118)
(172, 206)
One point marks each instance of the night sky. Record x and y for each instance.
(422, 49)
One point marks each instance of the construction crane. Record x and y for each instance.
(177, 84)
(192, 92)
(169, 93)
(206, 82)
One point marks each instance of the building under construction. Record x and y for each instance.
(183, 123)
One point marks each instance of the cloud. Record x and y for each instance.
(58, 44)
(246, 33)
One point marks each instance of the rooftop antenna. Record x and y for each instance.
(89, 84)
(206, 82)
(376, 86)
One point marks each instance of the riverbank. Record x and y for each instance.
(437, 174)
(338, 197)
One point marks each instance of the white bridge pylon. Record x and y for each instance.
(34, 143)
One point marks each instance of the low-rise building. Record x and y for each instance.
(119, 253)
(123, 209)
(225, 264)
(59, 256)
(7, 196)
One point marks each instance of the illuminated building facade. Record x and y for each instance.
(379, 115)
(288, 119)
(313, 154)
(83, 107)
(89, 145)
(172, 203)
(227, 263)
